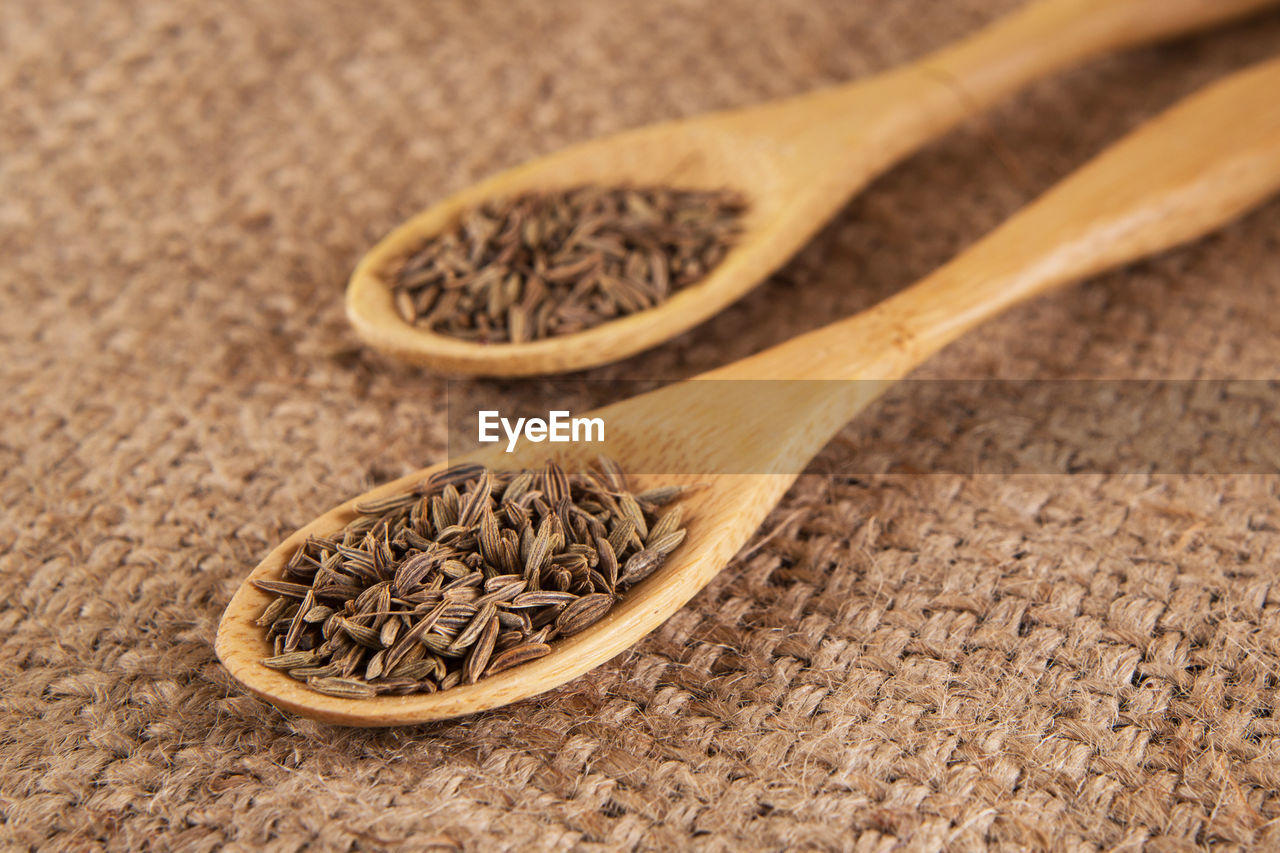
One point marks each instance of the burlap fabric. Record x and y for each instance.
(898, 661)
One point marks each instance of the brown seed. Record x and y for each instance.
(390, 630)
(346, 688)
(608, 561)
(490, 538)
(516, 656)
(632, 510)
(411, 572)
(539, 552)
(415, 669)
(350, 660)
(316, 614)
(454, 475)
(384, 505)
(666, 543)
(640, 565)
(272, 612)
(507, 639)
(289, 660)
(555, 484)
(615, 477)
(295, 628)
(586, 611)
(402, 686)
(518, 487)
(622, 535)
(292, 590)
(304, 672)
(542, 598)
(477, 501)
(662, 495)
(374, 667)
(669, 522)
(478, 658)
(362, 634)
(504, 592)
(477, 624)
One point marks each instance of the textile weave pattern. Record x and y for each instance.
(899, 660)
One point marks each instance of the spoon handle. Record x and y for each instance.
(1179, 176)
(1049, 36)
(906, 107)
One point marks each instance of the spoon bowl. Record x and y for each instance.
(698, 155)
(710, 543)
(795, 161)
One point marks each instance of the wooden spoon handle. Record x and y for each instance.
(1187, 172)
(906, 107)
(1048, 36)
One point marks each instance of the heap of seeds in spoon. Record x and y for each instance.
(546, 264)
(474, 572)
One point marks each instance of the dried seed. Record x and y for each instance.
(614, 476)
(666, 543)
(482, 651)
(295, 627)
(362, 634)
(289, 660)
(661, 496)
(668, 523)
(401, 686)
(374, 667)
(415, 669)
(542, 598)
(304, 672)
(292, 590)
(640, 565)
(477, 624)
(608, 561)
(316, 614)
(390, 630)
(516, 656)
(622, 535)
(385, 505)
(632, 510)
(272, 612)
(347, 688)
(584, 612)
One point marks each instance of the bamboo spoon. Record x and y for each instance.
(797, 161)
(1189, 171)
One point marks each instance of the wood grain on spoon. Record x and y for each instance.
(797, 161)
(1176, 178)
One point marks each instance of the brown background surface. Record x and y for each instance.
(1080, 661)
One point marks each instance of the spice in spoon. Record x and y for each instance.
(546, 264)
(475, 572)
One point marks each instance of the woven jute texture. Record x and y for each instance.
(898, 661)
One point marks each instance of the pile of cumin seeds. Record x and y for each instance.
(545, 264)
(474, 572)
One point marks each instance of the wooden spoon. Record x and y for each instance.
(1188, 171)
(797, 161)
